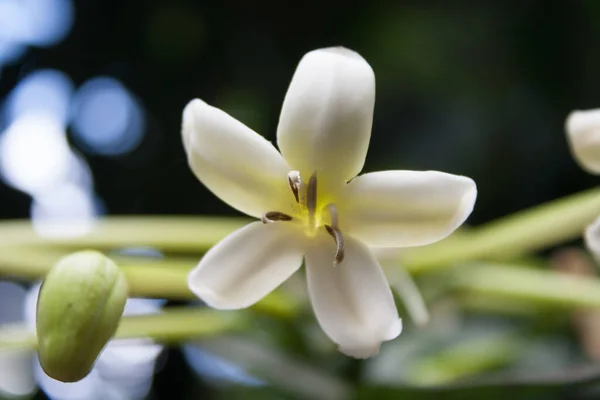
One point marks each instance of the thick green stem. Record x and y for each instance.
(529, 285)
(25, 255)
(175, 324)
(178, 234)
(529, 230)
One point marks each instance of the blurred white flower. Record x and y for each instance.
(583, 135)
(591, 237)
(312, 204)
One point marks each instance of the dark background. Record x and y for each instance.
(473, 88)
(480, 89)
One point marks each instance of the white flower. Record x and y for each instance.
(583, 135)
(312, 205)
(591, 236)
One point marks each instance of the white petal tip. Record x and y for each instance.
(360, 352)
(583, 135)
(468, 201)
(371, 350)
(579, 120)
(463, 210)
(209, 296)
(394, 330)
(338, 50)
(191, 108)
(188, 120)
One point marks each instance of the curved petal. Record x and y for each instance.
(406, 208)
(352, 301)
(234, 162)
(591, 237)
(247, 265)
(583, 135)
(326, 119)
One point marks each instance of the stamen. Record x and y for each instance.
(311, 199)
(295, 183)
(334, 216)
(336, 234)
(273, 216)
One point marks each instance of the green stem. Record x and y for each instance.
(175, 324)
(177, 234)
(25, 255)
(529, 285)
(159, 278)
(178, 324)
(536, 228)
(467, 358)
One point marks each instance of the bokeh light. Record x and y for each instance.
(16, 377)
(92, 387)
(80, 173)
(217, 369)
(34, 153)
(14, 25)
(49, 21)
(107, 119)
(32, 22)
(46, 91)
(128, 364)
(66, 210)
(10, 50)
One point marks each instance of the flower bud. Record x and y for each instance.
(583, 134)
(79, 308)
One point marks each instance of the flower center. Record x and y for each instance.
(309, 213)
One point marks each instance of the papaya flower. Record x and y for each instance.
(583, 136)
(312, 206)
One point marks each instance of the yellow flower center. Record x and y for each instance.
(310, 212)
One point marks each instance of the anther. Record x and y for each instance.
(311, 199)
(336, 234)
(295, 183)
(273, 216)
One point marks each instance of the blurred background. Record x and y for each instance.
(91, 95)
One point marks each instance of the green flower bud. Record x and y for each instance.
(79, 308)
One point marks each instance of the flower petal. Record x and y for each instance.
(234, 162)
(326, 119)
(247, 265)
(352, 301)
(583, 135)
(591, 238)
(406, 208)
